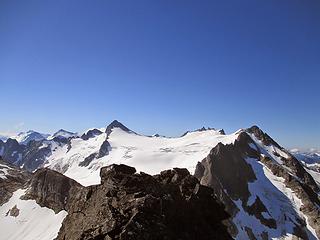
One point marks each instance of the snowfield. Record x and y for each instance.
(147, 154)
(33, 221)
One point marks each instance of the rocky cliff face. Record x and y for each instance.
(253, 175)
(171, 205)
(90, 134)
(53, 190)
(12, 151)
(126, 205)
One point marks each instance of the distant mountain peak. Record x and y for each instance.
(28, 136)
(63, 134)
(91, 133)
(116, 124)
(62, 130)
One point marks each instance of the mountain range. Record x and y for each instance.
(241, 185)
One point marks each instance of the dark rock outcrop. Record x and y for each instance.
(32, 155)
(222, 132)
(88, 160)
(91, 133)
(14, 211)
(53, 190)
(12, 151)
(256, 209)
(171, 205)
(226, 171)
(14, 179)
(35, 155)
(104, 149)
(264, 137)
(225, 165)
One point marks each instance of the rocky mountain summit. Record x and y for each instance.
(128, 205)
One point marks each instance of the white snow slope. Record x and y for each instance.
(147, 154)
(33, 222)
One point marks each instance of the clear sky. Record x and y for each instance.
(162, 66)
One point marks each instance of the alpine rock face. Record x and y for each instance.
(266, 191)
(47, 205)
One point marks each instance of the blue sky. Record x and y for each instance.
(162, 66)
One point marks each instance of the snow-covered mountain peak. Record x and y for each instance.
(63, 134)
(31, 135)
(116, 124)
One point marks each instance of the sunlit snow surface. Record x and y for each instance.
(33, 222)
(147, 154)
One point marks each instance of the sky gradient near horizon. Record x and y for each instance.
(162, 66)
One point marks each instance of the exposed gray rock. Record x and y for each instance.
(12, 151)
(88, 160)
(13, 212)
(53, 190)
(264, 137)
(34, 156)
(222, 132)
(171, 205)
(226, 164)
(104, 149)
(91, 133)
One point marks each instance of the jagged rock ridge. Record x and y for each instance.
(127, 205)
